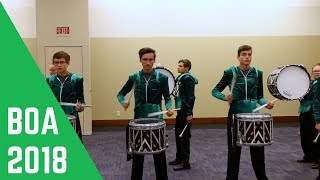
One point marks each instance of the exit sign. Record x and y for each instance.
(63, 31)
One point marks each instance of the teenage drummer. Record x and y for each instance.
(149, 86)
(184, 99)
(67, 87)
(307, 124)
(246, 88)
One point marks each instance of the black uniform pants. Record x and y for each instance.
(160, 165)
(78, 128)
(182, 143)
(234, 153)
(308, 133)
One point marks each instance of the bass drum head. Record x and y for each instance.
(171, 78)
(293, 82)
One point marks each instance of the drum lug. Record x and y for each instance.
(130, 145)
(167, 138)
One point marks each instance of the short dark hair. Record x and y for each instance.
(244, 48)
(61, 54)
(145, 51)
(186, 63)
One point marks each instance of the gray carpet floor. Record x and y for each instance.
(208, 157)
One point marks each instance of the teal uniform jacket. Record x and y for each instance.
(307, 101)
(185, 98)
(70, 91)
(147, 93)
(316, 102)
(247, 92)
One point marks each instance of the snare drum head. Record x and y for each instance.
(171, 78)
(253, 116)
(146, 121)
(293, 82)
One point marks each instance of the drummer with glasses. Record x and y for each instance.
(149, 87)
(316, 103)
(67, 87)
(246, 86)
(307, 124)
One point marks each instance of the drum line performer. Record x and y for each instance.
(184, 100)
(247, 93)
(316, 104)
(307, 124)
(150, 87)
(67, 87)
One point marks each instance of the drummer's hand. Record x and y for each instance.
(269, 105)
(79, 107)
(189, 118)
(126, 105)
(229, 98)
(169, 113)
(318, 127)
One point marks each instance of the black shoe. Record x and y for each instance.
(182, 166)
(305, 161)
(174, 162)
(315, 166)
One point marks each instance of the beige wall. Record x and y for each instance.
(31, 44)
(113, 59)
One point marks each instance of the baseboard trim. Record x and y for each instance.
(212, 120)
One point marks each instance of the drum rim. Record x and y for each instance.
(174, 78)
(265, 115)
(278, 94)
(148, 126)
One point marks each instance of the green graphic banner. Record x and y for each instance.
(37, 141)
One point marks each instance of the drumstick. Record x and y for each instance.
(263, 106)
(73, 104)
(161, 112)
(183, 130)
(316, 139)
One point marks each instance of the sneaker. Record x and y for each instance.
(174, 162)
(182, 166)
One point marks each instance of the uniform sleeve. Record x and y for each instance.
(223, 83)
(316, 103)
(165, 92)
(79, 90)
(125, 90)
(190, 87)
(261, 99)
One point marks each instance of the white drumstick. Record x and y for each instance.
(161, 112)
(263, 106)
(183, 130)
(73, 104)
(316, 139)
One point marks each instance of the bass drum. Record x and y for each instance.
(171, 78)
(289, 82)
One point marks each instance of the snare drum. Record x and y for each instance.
(254, 129)
(289, 82)
(147, 136)
(171, 78)
(72, 120)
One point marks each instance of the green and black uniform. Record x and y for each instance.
(307, 126)
(247, 94)
(68, 89)
(148, 92)
(185, 100)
